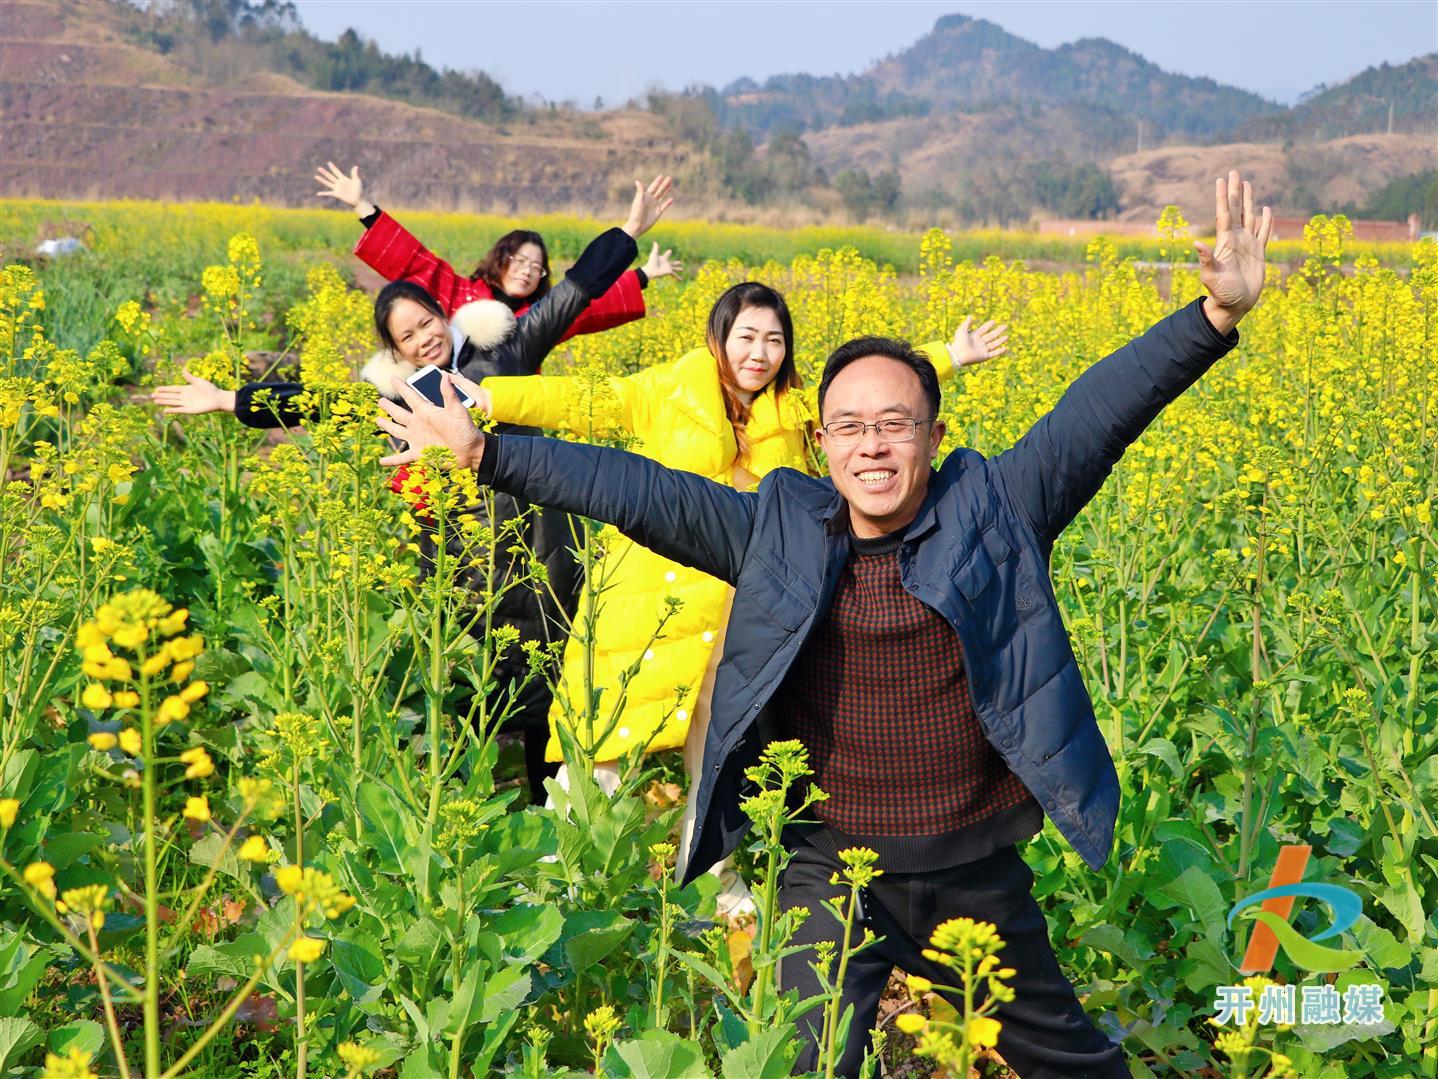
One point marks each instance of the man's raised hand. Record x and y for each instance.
(426, 424)
(1232, 270)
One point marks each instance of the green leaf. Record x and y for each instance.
(1165, 750)
(768, 1055)
(61, 850)
(383, 815)
(21, 966)
(232, 959)
(85, 1035)
(1404, 903)
(527, 931)
(1196, 891)
(212, 850)
(359, 968)
(17, 1037)
(504, 992)
(420, 944)
(1344, 837)
(1109, 938)
(242, 690)
(1383, 950)
(656, 1054)
(592, 935)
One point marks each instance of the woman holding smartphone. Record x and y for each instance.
(485, 339)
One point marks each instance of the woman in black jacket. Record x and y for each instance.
(483, 339)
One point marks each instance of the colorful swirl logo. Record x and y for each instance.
(1276, 905)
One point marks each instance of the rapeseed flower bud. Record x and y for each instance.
(41, 877)
(90, 901)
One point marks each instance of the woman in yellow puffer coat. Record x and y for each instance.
(728, 412)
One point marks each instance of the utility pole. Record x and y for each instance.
(1390, 117)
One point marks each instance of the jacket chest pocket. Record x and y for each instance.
(974, 572)
(783, 599)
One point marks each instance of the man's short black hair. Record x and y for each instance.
(890, 348)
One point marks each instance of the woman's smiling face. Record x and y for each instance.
(420, 336)
(754, 349)
(523, 270)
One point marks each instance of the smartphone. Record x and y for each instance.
(426, 381)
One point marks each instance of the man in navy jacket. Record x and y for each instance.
(899, 620)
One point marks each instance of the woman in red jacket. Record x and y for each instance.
(515, 272)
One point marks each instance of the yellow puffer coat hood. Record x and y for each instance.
(674, 414)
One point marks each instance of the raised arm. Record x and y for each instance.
(396, 254)
(577, 405)
(677, 514)
(255, 404)
(595, 272)
(1058, 466)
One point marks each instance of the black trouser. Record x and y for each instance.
(1044, 1030)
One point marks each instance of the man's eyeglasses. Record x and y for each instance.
(519, 262)
(851, 432)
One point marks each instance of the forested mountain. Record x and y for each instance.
(1398, 99)
(972, 65)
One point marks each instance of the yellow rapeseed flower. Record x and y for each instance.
(983, 1032)
(172, 710)
(911, 1022)
(255, 849)
(288, 878)
(358, 1059)
(73, 1065)
(307, 949)
(198, 808)
(130, 741)
(9, 808)
(41, 877)
(200, 764)
(103, 741)
(96, 697)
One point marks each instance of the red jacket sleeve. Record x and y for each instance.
(392, 252)
(624, 302)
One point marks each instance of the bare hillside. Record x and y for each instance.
(88, 115)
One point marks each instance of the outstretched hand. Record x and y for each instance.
(975, 346)
(1232, 269)
(660, 264)
(426, 424)
(197, 396)
(334, 184)
(649, 205)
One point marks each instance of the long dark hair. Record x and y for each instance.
(390, 295)
(722, 317)
(491, 268)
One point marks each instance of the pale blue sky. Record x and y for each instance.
(579, 49)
